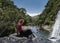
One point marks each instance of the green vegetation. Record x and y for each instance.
(47, 17)
(9, 15)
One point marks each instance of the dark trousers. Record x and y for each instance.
(25, 33)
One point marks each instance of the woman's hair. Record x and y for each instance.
(21, 21)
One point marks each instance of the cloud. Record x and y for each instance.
(33, 14)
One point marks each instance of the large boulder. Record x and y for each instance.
(12, 39)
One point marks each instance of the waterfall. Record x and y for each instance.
(56, 27)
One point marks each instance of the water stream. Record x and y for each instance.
(38, 33)
(56, 29)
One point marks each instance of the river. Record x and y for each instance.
(37, 32)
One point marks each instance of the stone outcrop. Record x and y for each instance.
(23, 40)
(13, 39)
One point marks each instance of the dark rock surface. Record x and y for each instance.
(23, 40)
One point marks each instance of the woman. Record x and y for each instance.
(19, 27)
(25, 33)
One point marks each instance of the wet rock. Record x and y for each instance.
(53, 38)
(58, 41)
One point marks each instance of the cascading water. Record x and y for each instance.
(56, 28)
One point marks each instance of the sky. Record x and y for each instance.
(33, 7)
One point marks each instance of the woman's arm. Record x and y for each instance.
(17, 30)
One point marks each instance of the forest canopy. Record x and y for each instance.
(9, 16)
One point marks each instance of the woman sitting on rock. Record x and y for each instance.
(23, 33)
(19, 27)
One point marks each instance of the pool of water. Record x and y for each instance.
(38, 33)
